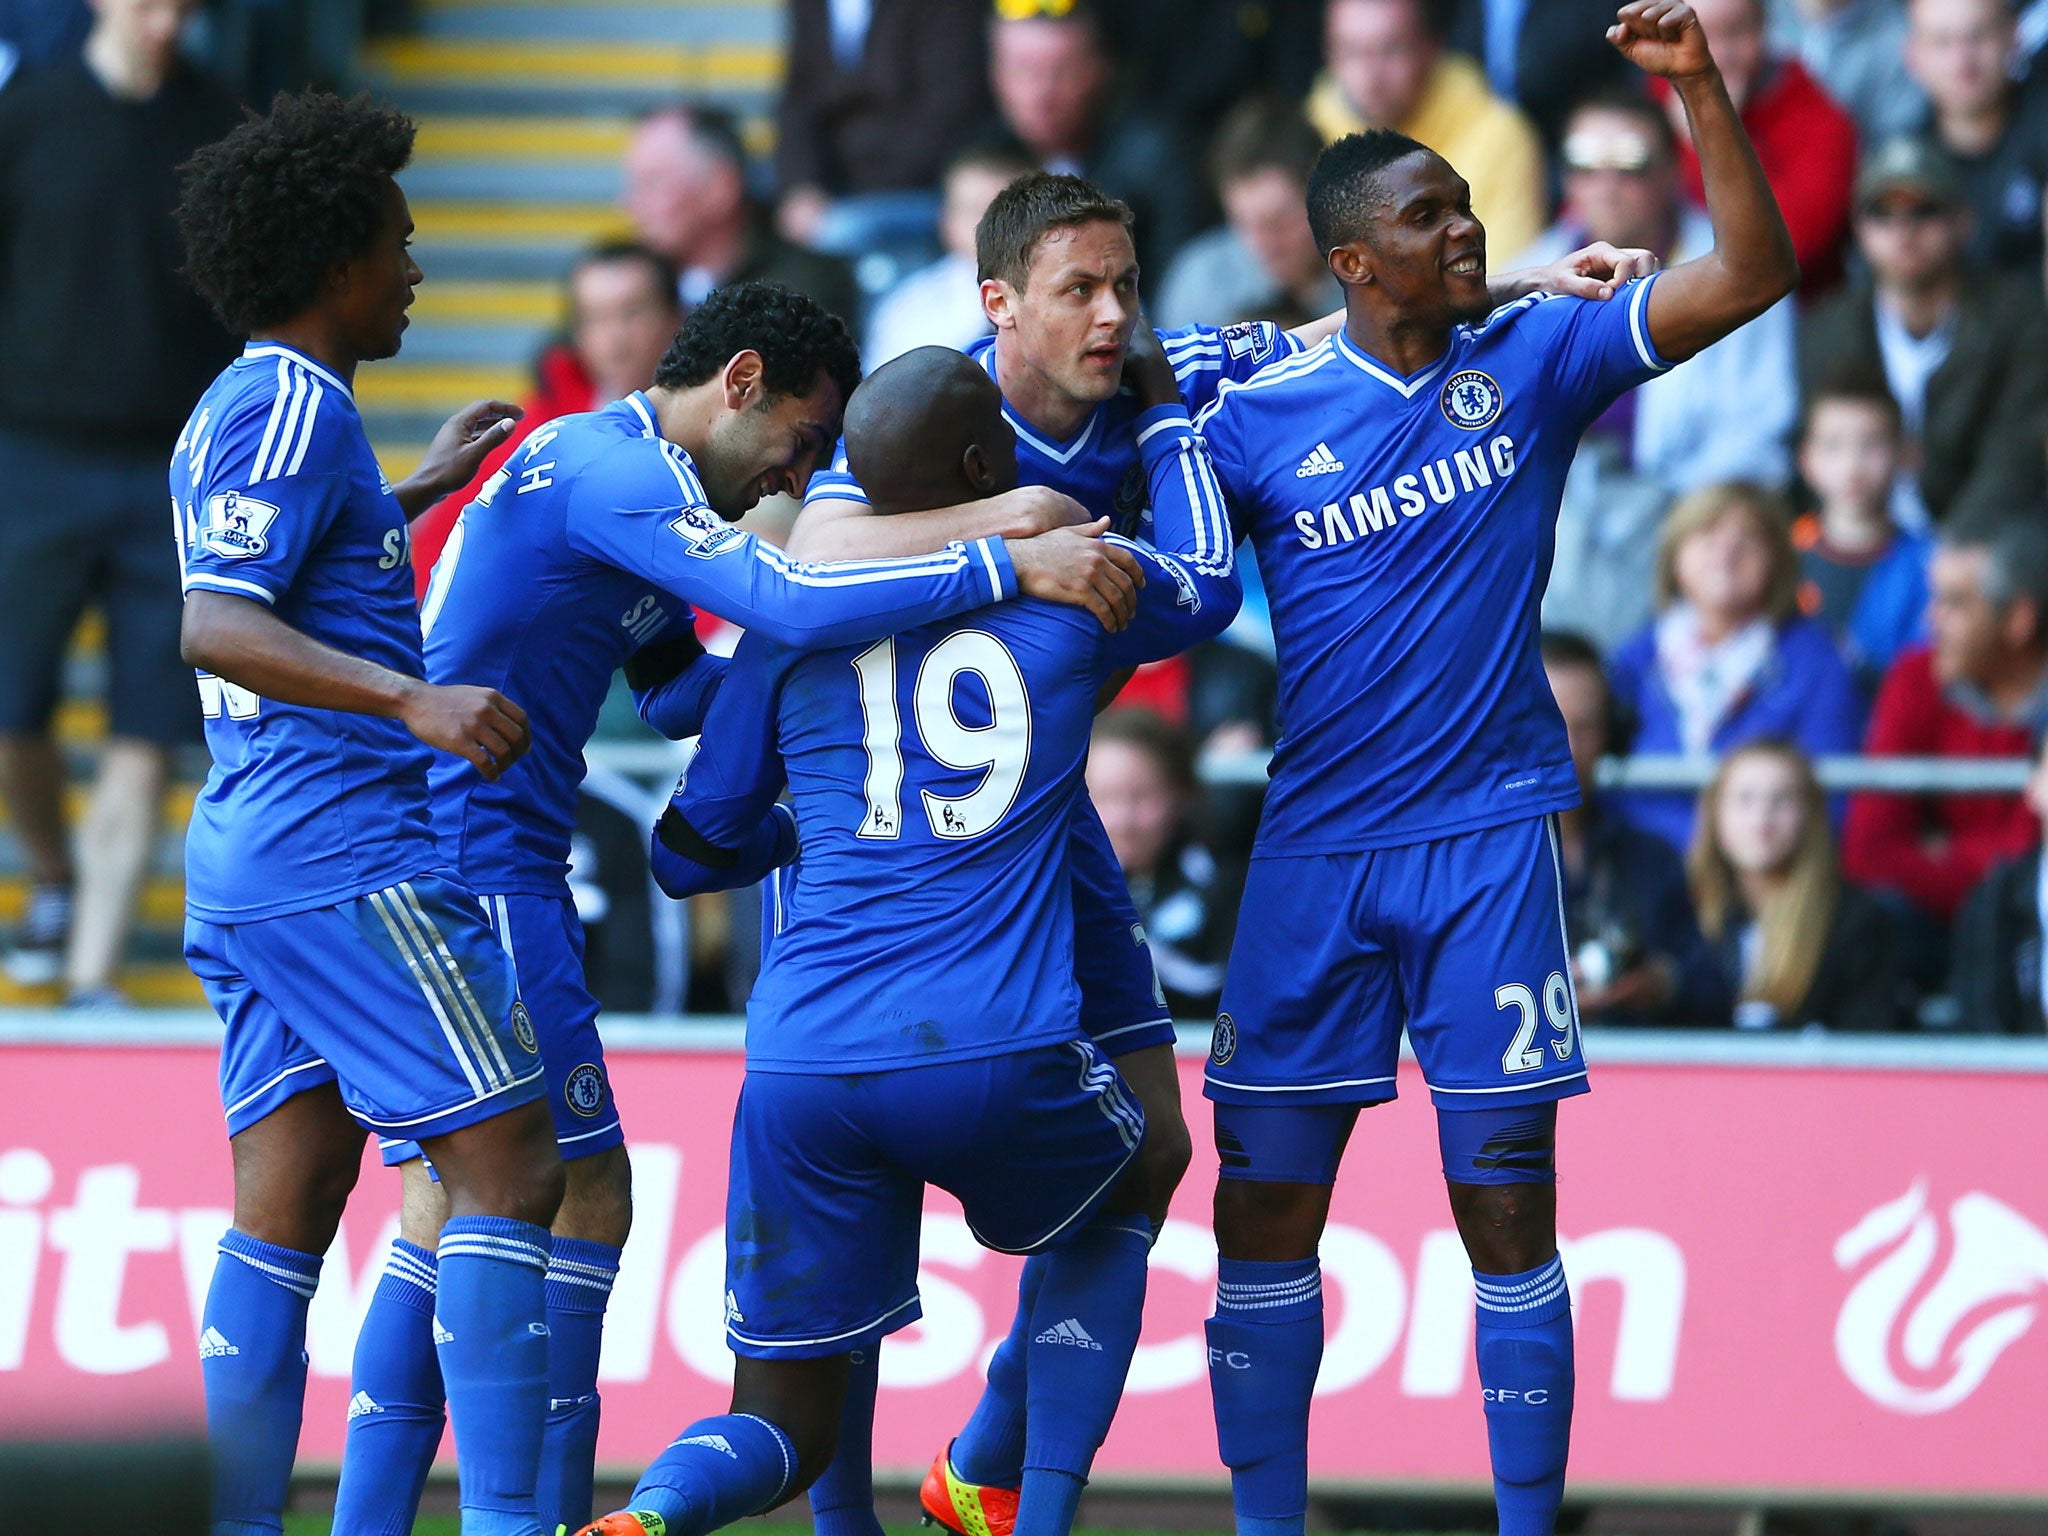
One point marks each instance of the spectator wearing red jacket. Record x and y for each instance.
(1980, 690)
(623, 313)
(1805, 142)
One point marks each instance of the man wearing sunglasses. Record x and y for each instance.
(1964, 351)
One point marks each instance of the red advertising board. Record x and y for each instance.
(1814, 1279)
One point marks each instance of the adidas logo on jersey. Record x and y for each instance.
(212, 1345)
(1069, 1333)
(362, 1404)
(442, 1335)
(733, 1314)
(717, 1443)
(1319, 462)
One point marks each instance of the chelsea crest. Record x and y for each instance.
(1472, 400)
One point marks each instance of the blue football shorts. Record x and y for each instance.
(543, 939)
(1122, 1007)
(826, 1193)
(1460, 940)
(402, 997)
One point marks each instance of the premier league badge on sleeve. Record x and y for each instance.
(1472, 400)
(236, 524)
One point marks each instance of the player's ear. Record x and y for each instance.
(980, 474)
(995, 304)
(1350, 265)
(743, 380)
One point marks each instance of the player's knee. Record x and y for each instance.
(1267, 1222)
(1506, 1228)
(597, 1199)
(506, 1166)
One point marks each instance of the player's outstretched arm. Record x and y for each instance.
(244, 643)
(450, 462)
(841, 528)
(722, 828)
(1751, 266)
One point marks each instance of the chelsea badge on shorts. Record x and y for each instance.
(585, 1090)
(1223, 1042)
(1472, 400)
(522, 1027)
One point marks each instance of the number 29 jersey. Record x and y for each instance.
(278, 499)
(1404, 529)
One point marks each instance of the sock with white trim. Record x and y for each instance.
(1084, 1329)
(252, 1358)
(719, 1470)
(580, 1276)
(1265, 1346)
(396, 1409)
(490, 1329)
(1523, 1339)
(990, 1450)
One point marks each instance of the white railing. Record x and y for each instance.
(660, 760)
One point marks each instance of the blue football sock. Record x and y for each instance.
(1049, 1501)
(1084, 1331)
(580, 1276)
(397, 1408)
(719, 1470)
(990, 1450)
(843, 1497)
(1265, 1345)
(493, 1340)
(252, 1357)
(1524, 1342)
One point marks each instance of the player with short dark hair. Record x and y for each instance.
(360, 985)
(1400, 483)
(935, 775)
(1076, 369)
(586, 553)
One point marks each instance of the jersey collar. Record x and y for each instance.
(641, 408)
(1407, 388)
(278, 349)
(1059, 453)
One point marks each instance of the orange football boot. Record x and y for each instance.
(627, 1522)
(964, 1508)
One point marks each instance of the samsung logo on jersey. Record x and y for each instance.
(1469, 469)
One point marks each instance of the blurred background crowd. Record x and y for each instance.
(1824, 537)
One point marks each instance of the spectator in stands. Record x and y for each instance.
(1263, 256)
(1802, 948)
(1542, 55)
(1963, 351)
(1729, 659)
(1054, 77)
(1141, 776)
(103, 350)
(1387, 67)
(940, 304)
(1806, 143)
(1979, 690)
(875, 96)
(1856, 49)
(1637, 954)
(1860, 573)
(686, 193)
(623, 313)
(1999, 978)
(1196, 59)
(1675, 433)
(1962, 52)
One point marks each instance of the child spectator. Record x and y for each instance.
(1801, 948)
(1141, 776)
(1728, 658)
(1998, 980)
(1860, 573)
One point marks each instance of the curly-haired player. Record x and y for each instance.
(360, 985)
(584, 554)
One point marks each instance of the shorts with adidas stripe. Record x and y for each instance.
(403, 997)
(826, 1197)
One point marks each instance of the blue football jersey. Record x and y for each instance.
(935, 775)
(1404, 529)
(1099, 465)
(591, 543)
(278, 498)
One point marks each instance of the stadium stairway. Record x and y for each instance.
(523, 108)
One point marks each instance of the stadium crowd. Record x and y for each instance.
(1822, 535)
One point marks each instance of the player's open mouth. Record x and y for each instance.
(1466, 266)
